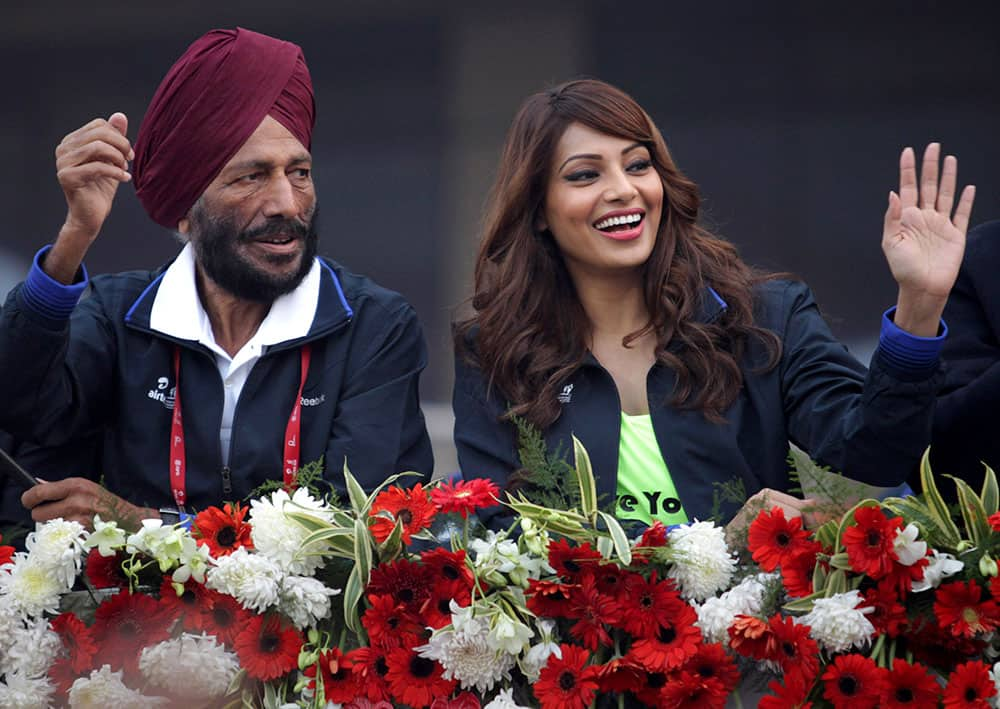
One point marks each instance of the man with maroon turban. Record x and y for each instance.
(244, 358)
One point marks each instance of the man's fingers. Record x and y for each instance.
(75, 176)
(97, 151)
(929, 176)
(119, 121)
(102, 131)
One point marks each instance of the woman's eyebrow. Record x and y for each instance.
(594, 156)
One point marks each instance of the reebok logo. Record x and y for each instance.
(314, 401)
(162, 394)
(566, 395)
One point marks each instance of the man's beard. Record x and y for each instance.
(216, 240)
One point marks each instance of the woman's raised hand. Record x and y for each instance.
(922, 240)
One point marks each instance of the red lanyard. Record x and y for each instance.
(178, 464)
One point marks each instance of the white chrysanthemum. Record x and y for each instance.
(205, 665)
(838, 624)
(716, 614)
(32, 648)
(107, 537)
(304, 600)
(465, 652)
(504, 700)
(701, 564)
(941, 565)
(21, 691)
(538, 655)
(165, 543)
(908, 550)
(58, 545)
(104, 688)
(10, 622)
(280, 538)
(251, 579)
(30, 586)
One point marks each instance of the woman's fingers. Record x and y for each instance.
(929, 176)
(908, 178)
(964, 210)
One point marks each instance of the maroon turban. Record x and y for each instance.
(206, 107)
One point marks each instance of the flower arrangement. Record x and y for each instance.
(398, 599)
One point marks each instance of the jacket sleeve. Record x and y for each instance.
(57, 368)
(379, 427)
(965, 419)
(871, 427)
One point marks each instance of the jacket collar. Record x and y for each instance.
(170, 305)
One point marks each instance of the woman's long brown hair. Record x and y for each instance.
(531, 330)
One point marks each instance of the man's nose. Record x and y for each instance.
(280, 199)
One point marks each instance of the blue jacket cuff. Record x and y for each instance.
(908, 353)
(49, 297)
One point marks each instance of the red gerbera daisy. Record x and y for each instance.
(772, 538)
(339, 683)
(436, 611)
(909, 686)
(266, 649)
(465, 496)
(610, 580)
(750, 637)
(790, 695)
(687, 690)
(223, 531)
(889, 617)
(570, 561)
(126, 623)
(792, 648)
(409, 583)
(853, 682)
(797, 570)
(390, 624)
(371, 669)
(673, 644)
(620, 675)
(106, 571)
(447, 564)
(223, 616)
(416, 681)
(869, 542)
(712, 662)
(592, 611)
(465, 700)
(410, 507)
(6, 553)
(902, 576)
(647, 605)
(994, 520)
(959, 607)
(190, 606)
(77, 641)
(969, 687)
(548, 598)
(567, 683)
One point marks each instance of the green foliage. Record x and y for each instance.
(545, 479)
(309, 476)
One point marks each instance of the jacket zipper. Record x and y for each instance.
(227, 481)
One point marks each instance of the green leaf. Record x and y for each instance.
(990, 494)
(840, 561)
(803, 605)
(355, 493)
(618, 536)
(605, 546)
(973, 513)
(826, 534)
(362, 550)
(585, 477)
(353, 590)
(935, 503)
(393, 545)
(819, 578)
(913, 510)
(836, 583)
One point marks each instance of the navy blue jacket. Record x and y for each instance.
(871, 426)
(967, 422)
(97, 374)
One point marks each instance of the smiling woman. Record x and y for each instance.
(603, 310)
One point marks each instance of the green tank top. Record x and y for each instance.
(645, 489)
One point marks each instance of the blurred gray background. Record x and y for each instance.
(789, 115)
